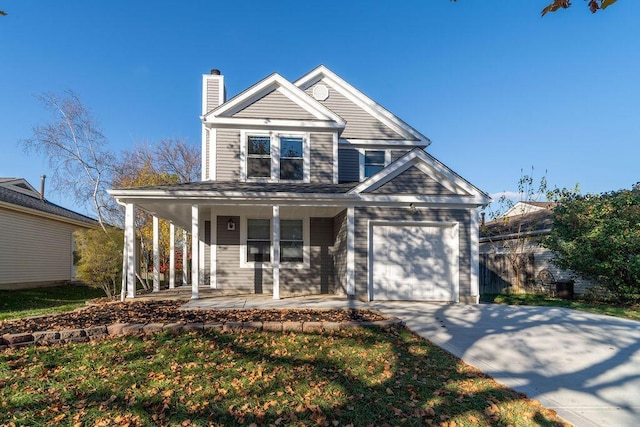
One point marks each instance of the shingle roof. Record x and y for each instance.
(525, 224)
(15, 198)
(254, 187)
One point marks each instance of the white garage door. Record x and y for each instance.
(414, 262)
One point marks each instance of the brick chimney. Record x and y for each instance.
(213, 93)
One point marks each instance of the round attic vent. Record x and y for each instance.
(320, 92)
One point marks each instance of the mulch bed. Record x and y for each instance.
(168, 312)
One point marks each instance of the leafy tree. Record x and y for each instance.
(171, 161)
(598, 237)
(594, 5)
(100, 262)
(77, 151)
(510, 227)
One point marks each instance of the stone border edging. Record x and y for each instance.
(118, 329)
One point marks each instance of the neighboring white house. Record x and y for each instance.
(311, 187)
(37, 237)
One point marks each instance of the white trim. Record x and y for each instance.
(213, 153)
(201, 250)
(156, 254)
(336, 164)
(47, 215)
(204, 150)
(130, 232)
(236, 122)
(275, 251)
(351, 256)
(172, 255)
(195, 253)
(361, 100)
(386, 143)
(455, 226)
(213, 252)
(125, 269)
(474, 255)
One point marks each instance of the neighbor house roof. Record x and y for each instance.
(530, 224)
(32, 203)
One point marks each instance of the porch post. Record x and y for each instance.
(130, 237)
(185, 254)
(195, 251)
(172, 256)
(156, 254)
(213, 256)
(351, 256)
(275, 262)
(123, 287)
(474, 240)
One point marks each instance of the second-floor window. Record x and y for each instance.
(275, 157)
(373, 162)
(258, 156)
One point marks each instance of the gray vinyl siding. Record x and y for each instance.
(320, 277)
(34, 249)
(229, 273)
(275, 105)
(228, 155)
(321, 161)
(413, 181)
(213, 93)
(348, 165)
(396, 154)
(360, 124)
(340, 252)
(364, 215)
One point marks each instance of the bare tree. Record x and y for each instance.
(175, 156)
(76, 149)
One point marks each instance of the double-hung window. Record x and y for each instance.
(275, 157)
(373, 162)
(259, 240)
(291, 241)
(258, 156)
(291, 158)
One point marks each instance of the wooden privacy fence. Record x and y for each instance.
(498, 277)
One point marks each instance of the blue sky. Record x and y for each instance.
(495, 87)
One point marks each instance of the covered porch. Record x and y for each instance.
(277, 249)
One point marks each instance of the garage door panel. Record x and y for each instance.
(415, 262)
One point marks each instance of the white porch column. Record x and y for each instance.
(351, 255)
(156, 254)
(213, 248)
(195, 251)
(130, 238)
(185, 254)
(275, 262)
(474, 257)
(123, 288)
(172, 256)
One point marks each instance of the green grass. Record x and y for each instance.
(626, 312)
(36, 302)
(351, 377)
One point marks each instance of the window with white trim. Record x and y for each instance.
(258, 156)
(270, 156)
(291, 158)
(291, 240)
(374, 161)
(258, 240)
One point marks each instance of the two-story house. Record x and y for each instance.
(311, 187)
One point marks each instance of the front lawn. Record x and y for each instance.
(352, 377)
(627, 312)
(40, 301)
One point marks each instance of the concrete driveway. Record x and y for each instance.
(584, 366)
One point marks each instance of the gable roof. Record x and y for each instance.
(17, 200)
(309, 111)
(391, 124)
(447, 186)
(530, 224)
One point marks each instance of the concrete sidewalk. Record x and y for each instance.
(584, 366)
